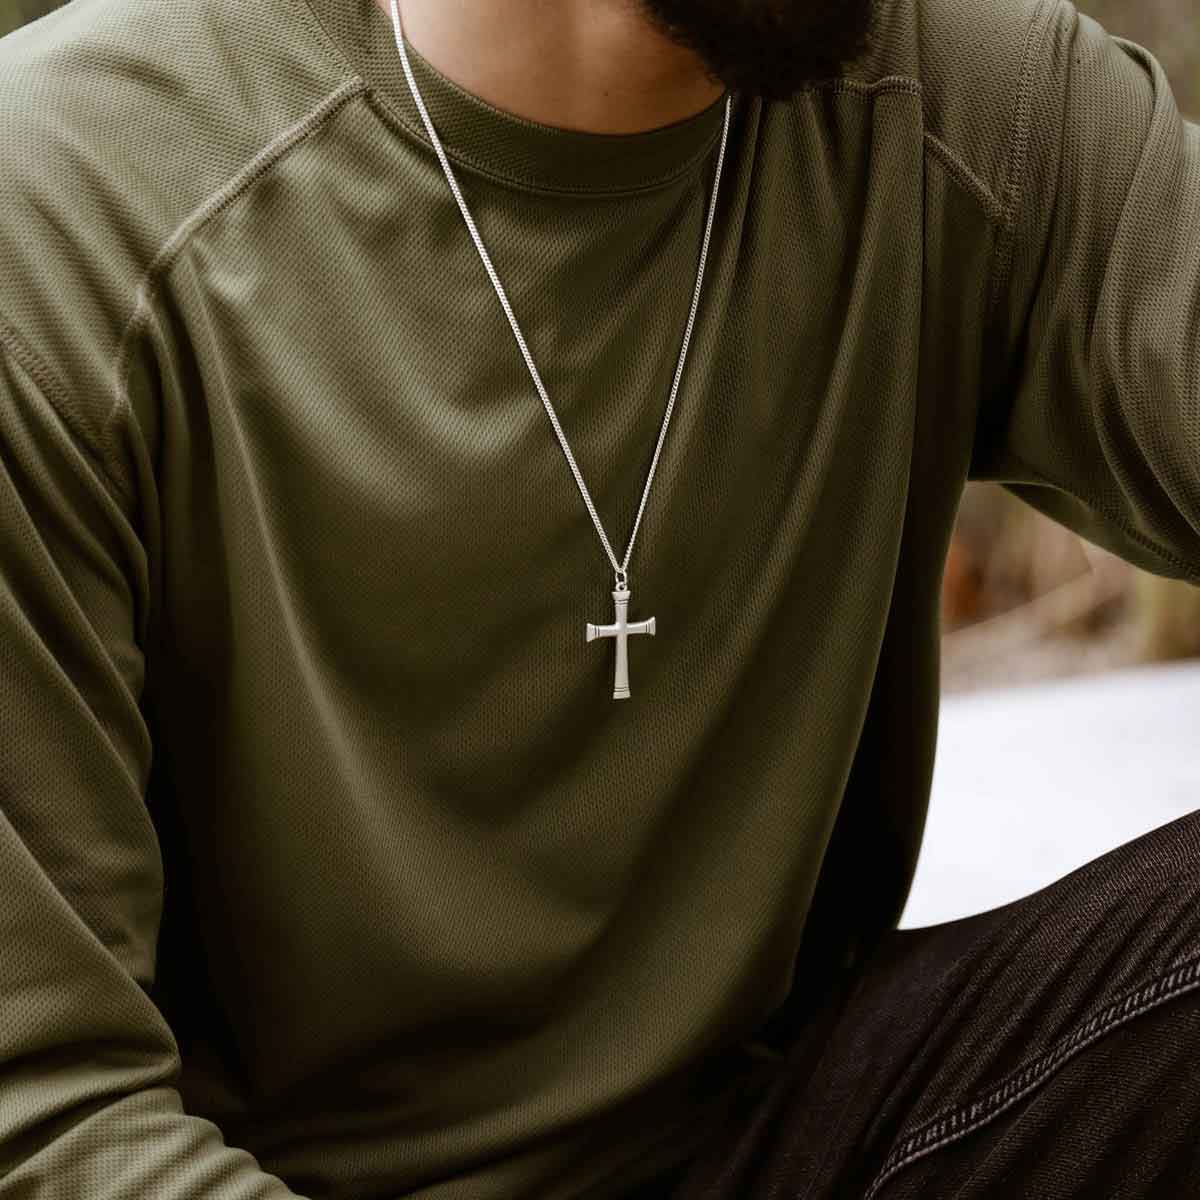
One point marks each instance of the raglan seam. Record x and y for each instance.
(105, 450)
(994, 208)
(59, 399)
(273, 152)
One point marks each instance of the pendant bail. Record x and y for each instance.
(622, 580)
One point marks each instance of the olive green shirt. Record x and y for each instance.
(15, 13)
(330, 865)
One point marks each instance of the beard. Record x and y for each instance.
(767, 48)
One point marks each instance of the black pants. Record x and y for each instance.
(1049, 1048)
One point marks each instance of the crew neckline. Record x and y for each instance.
(515, 150)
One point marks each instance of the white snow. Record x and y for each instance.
(1033, 781)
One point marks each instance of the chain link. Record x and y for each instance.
(620, 569)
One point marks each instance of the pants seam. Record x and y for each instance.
(940, 1131)
(1127, 996)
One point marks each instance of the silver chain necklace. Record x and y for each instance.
(621, 629)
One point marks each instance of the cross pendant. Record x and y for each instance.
(621, 629)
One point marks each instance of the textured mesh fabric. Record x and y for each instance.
(330, 866)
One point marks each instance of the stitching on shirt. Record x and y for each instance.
(886, 83)
(1012, 194)
(1190, 569)
(383, 108)
(58, 396)
(968, 1117)
(1013, 175)
(328, 44)
(956, 166)
(899, 84)
(966, 179)
(262, 162)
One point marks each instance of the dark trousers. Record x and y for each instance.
(1046, 1049)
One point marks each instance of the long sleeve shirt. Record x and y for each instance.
(329, 865)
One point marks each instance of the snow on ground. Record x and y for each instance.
(1031, 782)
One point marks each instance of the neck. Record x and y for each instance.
(592, 65)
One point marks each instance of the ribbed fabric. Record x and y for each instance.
(331, 867)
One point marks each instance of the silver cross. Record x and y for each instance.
(621, 629)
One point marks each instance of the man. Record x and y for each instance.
(475, 486)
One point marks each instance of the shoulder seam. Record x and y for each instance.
(60, 400)
(247, 175)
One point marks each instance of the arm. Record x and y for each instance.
(1090, 405)
(87, 1106)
